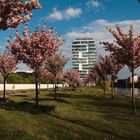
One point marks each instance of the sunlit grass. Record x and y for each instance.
(80, 114)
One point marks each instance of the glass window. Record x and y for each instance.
(76, 42)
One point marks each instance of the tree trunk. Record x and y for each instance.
(37, 91)
(55, 97)
(4, 88)
(53, 87)
(104, 88)
(133, 96)
(112, 88)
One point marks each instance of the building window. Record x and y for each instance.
(84, 55)
(76, 42)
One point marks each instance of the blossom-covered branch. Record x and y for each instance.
(15, 12)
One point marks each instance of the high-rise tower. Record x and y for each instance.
(84, 55)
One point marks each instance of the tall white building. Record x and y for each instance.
(84, 55)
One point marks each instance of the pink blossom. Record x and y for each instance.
(72, 77)
(8, 64)
(126, 51)
(13, 13)
(35, 48)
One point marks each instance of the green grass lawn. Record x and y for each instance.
(82, 114)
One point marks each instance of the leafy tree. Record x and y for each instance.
(33, 48)
(8, 64)
(100, 70)
(54, 65)
(112, 69)
(91, 77)
(15, 12)
(15, 79)
(72, 77)
(126, 51)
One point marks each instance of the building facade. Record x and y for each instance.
(84, 55)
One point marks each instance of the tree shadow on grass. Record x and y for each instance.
(56, 100)
(112, 104)
(26, 107)
(50, 99)
(92, 125)
(74, 96)
(121, 104)
(2, 99)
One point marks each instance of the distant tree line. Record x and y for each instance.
(24, 78)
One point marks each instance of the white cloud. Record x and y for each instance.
(95, 4)
(66, 14)
(97, 31)
(72, 12)
(56, 15)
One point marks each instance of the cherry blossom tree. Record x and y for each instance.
(91, 77)
(54, 65)
(33, 48)
(100, 70)
(72, 77)
(126, 51)
(15, 12)
(8, 65)
(112, 69)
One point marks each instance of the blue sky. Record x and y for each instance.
(78, 18)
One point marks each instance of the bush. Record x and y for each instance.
(15, 78)
(25, 79)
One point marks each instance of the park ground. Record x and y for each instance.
(80, 114)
